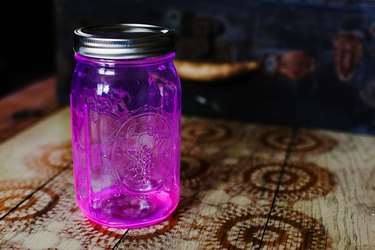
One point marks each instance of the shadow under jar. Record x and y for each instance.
(125, 107)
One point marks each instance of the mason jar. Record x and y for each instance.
(125, 103)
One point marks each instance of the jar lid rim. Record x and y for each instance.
(124, 41)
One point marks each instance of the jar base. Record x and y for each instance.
(121, 211)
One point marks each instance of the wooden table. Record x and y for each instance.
(244, 186)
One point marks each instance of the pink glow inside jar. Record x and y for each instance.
(125, 107)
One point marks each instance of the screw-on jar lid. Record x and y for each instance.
(124, 41)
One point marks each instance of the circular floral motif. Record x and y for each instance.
(248, 228)
(294, 181)
(50, 158)
(199, 175)
(89, 233)
(192, 166)
(305, 141)
(198, 132)
(192, 170)
(27, 207)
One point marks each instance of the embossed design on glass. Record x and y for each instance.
(143, 145)
(126, 122)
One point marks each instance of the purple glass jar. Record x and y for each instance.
(126, 122)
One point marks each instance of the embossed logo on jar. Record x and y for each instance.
(142, 152)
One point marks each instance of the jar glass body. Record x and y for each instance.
(126, 123)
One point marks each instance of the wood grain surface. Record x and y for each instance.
(27, 106)
(244, 186)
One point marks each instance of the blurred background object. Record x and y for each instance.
(28, 44)
(308, 63)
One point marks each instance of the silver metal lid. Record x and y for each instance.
(124, 41)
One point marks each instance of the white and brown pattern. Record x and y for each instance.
(45, 161)
(237, 227)
(297, 180)
(193, 168)
(88, 233)
(203, 133)
(59, 218)
(200, 173)
(17, 195)
(305, 141)
(227, 199)
(49, 159)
